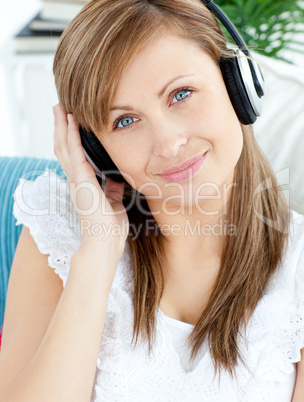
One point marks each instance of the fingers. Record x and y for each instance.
(60, 134)
(67, 142)
(74, 142)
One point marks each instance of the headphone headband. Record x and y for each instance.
(219, 13)
(256, 72)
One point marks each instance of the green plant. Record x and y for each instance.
(267, 26)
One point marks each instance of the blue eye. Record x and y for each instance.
(181, 91)
(126, 120)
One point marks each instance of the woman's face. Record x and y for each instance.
(170, 105)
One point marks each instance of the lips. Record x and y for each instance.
(182, 166)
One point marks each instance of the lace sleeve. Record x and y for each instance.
(45, 207)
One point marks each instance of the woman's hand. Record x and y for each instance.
(101, 214)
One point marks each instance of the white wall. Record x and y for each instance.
(13, 15)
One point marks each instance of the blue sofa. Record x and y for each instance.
(11, 169)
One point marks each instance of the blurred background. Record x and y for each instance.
(30, 30)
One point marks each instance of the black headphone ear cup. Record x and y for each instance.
(100, 157)
(237, 91)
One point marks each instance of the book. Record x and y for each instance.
(61, 10)
(28, 41)
(39, 24)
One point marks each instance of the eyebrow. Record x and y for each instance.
(160, 93)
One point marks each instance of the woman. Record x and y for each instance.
(178, 293)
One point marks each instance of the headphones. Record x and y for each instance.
(245, 86)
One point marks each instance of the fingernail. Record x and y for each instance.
(69, 118)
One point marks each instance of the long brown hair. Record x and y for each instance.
(93, 52)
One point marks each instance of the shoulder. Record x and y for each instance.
(46, 208)
(275, 332)
(296, 228)
(292, 266)
(290, 269)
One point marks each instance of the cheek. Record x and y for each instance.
(233, 135)
(132, 166)
(228, 148)
(122, 162)
(219, 125)
(213, 113)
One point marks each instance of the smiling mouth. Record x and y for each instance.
(182, 166)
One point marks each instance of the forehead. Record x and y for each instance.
(165, 57)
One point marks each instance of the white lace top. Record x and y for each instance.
(179, 332)
(275, 333)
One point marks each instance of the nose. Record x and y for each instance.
(167, 139)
